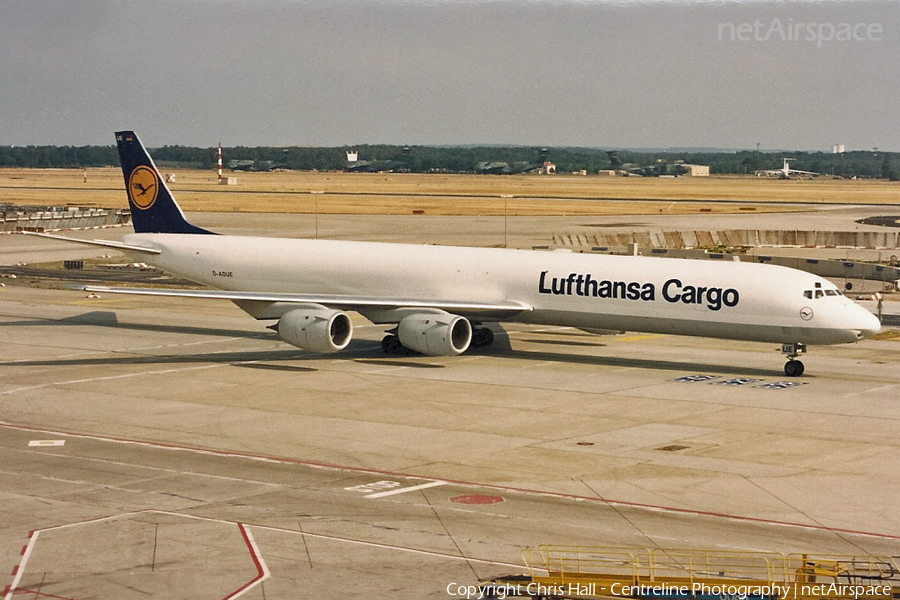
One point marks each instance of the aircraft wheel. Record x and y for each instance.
(391, 344)
(793, 368)
(482, 337)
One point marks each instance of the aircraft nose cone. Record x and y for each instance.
(868, 326)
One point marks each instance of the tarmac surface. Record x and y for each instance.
(175, 448)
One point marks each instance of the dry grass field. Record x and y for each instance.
(388, 193)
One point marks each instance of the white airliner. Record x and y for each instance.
(786, 171)
(438, 298)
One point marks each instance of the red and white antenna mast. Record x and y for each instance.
(219, 161)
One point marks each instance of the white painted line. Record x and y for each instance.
(34, 443)
(112, 377)
(26, 554)
(406, 489)
(263, 572)
(261, 566)
(371, 487)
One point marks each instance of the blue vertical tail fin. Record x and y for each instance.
(153, 209)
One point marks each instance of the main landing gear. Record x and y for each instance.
(481, 337)
(793, 367)
(390, 344)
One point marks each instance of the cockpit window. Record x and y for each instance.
(820, 293)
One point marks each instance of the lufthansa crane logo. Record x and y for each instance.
(143, 186)
(806, 313)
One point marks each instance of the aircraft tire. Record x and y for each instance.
(793, 368)
(482, 337)
(390, 344)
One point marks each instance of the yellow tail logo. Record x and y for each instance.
(143, 186)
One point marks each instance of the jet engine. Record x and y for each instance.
(435, 333)
(317, 329)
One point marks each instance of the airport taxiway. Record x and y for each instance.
(175, 448)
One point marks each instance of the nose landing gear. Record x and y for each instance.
(793, 367)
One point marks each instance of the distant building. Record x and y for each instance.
(696, 170)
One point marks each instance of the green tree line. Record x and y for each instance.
(460, 159)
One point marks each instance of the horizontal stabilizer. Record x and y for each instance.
(103, 243)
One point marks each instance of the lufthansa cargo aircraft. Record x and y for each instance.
(437, 298)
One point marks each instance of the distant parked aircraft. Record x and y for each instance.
(659, 169)
(254, 165)
(786, 171)
(504, 168)
(354, 165)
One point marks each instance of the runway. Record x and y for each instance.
(175, 448)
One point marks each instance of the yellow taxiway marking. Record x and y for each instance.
(102, 301)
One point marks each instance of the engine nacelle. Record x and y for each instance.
(435, 333)
(317, 329)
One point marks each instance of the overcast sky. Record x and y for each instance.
(726, 74)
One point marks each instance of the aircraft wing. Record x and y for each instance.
(332, 300)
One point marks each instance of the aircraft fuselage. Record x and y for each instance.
(735, 300)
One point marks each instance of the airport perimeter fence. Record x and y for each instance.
(51, 218)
